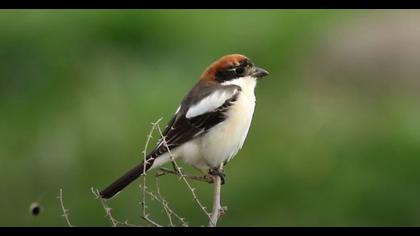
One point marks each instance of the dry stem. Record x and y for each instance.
(205, 178)
(178, 169)
(65, 211)
(217, 207)
(108, 210)
(145, 216)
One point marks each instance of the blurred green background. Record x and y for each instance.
(335, 139)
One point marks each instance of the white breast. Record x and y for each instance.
(223, 141)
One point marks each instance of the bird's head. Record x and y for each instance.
(230, 67)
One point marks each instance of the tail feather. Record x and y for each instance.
(153, 160)
(124, 180)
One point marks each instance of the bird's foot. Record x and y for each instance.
(205, 178)
(218, 172)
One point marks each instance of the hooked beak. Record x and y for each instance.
(259, 72)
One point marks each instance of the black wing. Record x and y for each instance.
(179, 130)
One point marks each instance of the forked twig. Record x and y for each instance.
(213, 216)
(145, 216)
(178, 169)
(108, 210)
(169, 212)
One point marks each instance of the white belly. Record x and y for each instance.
(223, 141)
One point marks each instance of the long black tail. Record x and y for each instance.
(124, 180)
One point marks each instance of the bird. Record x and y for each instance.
(210, 125)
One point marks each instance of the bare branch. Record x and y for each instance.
(145, 215)
(163, 202)
(205, 178)
(178, 169)
(108, 210)
(65, 211)
(217, 208)
(166, 207)
(213, 216)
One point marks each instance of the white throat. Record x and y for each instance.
(246, 83)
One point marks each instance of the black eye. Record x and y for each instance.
(239, 70)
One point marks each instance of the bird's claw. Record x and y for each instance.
(218, 172)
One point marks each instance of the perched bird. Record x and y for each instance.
(210, 125)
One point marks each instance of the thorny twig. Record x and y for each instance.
(108, 210)
(166, 207)
(178, 169)
(145, 216)
(65, 211)
(205, 178)
(163, 202)
(216, 180)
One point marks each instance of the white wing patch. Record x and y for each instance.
(210, 103)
